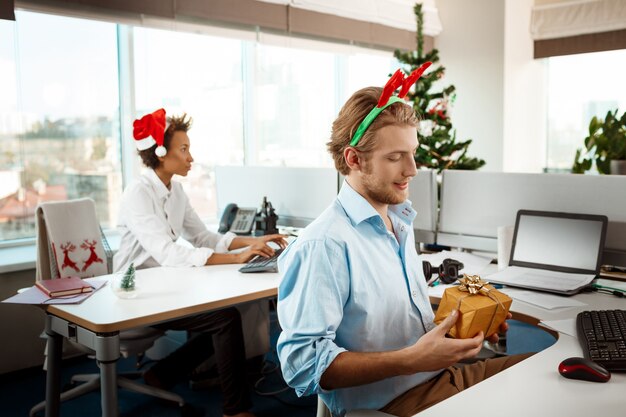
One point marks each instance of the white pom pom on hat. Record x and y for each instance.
(160, 151)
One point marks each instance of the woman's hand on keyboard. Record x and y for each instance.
(260, 247)
(254, 246)
(277, 239)
(252, 251)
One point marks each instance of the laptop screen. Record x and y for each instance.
(559, 241)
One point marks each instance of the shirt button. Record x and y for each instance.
(414, 293)
(402, 228)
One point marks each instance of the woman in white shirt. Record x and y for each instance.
(154, 213)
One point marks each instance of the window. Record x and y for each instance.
(59, 118)
(580, 87)
(269, 101)
(298, 93)
(295, 105)
(367, 69)
(200, 75)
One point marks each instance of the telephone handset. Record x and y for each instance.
(237, 220)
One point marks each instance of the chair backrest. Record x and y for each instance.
(70, 241)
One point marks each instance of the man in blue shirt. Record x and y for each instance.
(353, 304)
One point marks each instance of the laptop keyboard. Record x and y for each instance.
(261, 264)
(602, 335)
(540, 280)
(552, 280)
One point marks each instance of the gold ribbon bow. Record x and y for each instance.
(473, 284)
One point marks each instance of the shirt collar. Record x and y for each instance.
(156, 183)
(404, 211)
(359, 209)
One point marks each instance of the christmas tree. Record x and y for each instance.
(437, 148)
(128, 280)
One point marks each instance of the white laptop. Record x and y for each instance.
(554, 252)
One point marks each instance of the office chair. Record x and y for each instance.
(62, 228)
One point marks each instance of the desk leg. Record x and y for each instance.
(53, 374)
(107, 355)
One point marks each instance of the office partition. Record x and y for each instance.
(298, 195)
(423, 196)
(474, 204)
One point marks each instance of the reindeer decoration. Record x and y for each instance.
(93, 257)
(67, 262)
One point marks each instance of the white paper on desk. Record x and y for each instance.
(567, 326)
(543, 300)
(34, 295)
(472, 264)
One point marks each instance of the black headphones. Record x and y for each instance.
(448, 271)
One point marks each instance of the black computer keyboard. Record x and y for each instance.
(602, 335)
(261, 264)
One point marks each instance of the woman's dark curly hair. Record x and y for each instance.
(175, 124)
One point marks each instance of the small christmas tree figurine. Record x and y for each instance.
(128, 280)
(437, 148)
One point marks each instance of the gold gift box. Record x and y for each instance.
(480, 306)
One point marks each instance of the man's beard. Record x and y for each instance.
(378, 192)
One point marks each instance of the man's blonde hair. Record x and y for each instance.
(351, 115)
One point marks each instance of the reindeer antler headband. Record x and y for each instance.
(387, 98)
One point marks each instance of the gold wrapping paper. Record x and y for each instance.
(481, 307)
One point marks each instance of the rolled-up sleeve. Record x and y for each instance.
(311, 296)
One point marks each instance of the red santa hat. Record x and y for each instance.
(149, 130)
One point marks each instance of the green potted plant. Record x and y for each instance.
(605, 145)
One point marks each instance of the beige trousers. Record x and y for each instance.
(449, 382)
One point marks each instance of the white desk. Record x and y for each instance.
(531, 388)
(164, 294)
(534, 387)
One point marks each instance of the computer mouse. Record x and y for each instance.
(584, 369)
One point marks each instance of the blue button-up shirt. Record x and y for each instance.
(351, 285)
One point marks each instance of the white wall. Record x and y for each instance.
(525, 100)
(501, 104)
(471, 47)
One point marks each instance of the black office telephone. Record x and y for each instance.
(239, 220)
